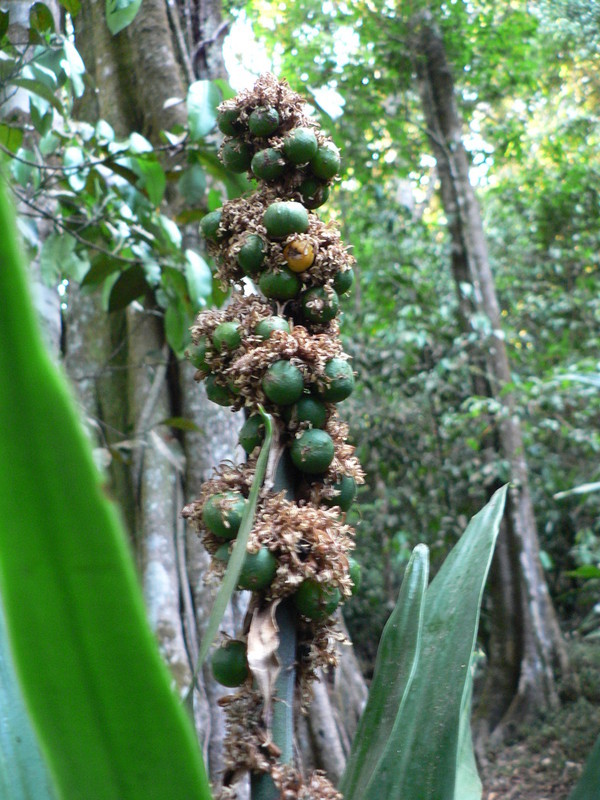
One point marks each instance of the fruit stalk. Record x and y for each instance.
(276, 344)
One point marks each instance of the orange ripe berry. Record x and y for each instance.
(299, 255)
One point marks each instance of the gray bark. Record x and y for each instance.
(157, 469)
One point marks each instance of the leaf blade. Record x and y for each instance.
(102, 704)
(121, 13)
(422, 755)
(397, 658)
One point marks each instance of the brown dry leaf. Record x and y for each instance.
(263, 641)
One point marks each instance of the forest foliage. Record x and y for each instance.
(528, 89)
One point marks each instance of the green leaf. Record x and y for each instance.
(102, 266)
(36, 87)
(587, 786)
(97, 692)
(23, 774)
(23, 168)
(74, 67)
(139, 144)
(176, 326)
(121, 13)
(152, 178)
(226, 91)
(468, 783)
(11, 138)
(40, 18)
(59, 259)
(74, 161)
(585, 571)
(421, 758)
(192, 185)
(202, 100)
(72, 6)
(199, 279)
(397, 660)
(170, 231)
(104, 132)
(4, 16)
(41, 122)
(130, 285)
(49, 143)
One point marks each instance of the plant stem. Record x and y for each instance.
(262, 786)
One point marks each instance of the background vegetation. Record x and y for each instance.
(109, 202)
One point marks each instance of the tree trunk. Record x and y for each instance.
(526, 643)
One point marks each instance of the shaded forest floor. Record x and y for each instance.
(545, 760)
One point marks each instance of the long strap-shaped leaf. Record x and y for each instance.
(421, 758)
(96, 689)
(588, 786)
(468, 783)
(397, 660)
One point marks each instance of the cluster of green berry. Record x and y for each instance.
(276, 344)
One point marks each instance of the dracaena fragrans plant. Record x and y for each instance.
(274, 352)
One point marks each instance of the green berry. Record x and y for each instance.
(310, 410)
(226, 336)
(252, 433)
(258, 570)
(222, 553)
(217, 393)
(263, 121)
(283, 383)
(280, 284)
(267, 164)
(284, 217)
(229, 664)
(266, 326)
(355, 574)
(236, 156)
(314, 193)
(343, 281)
(300, 145)
(209, 224)
(228, 121)
(338, 382)
(251, 254)
(326, 162)
(313, 451)
(197, 354)
(222, 514)
(345, 492)
(320, 306)
(316, 601)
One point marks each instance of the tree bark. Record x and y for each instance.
(526, 643)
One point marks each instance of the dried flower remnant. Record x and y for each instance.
(279, 348)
